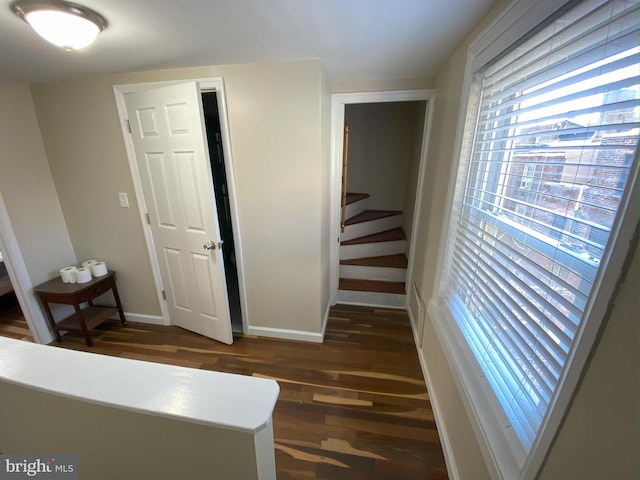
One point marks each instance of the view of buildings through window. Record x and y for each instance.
(564, 180)
(559, 188)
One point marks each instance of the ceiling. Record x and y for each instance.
(356, 39)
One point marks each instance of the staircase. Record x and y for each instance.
(373, 261)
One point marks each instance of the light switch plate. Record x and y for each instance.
(124, 200)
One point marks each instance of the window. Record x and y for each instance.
(542, 182)
(526, 180)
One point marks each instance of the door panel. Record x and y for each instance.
(177, 282)
(147, 121)
(159, 190)
(191, 196)
(205, 283)
(169, 139)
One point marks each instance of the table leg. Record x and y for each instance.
(119, 305)
(52, 322)
(83, 325)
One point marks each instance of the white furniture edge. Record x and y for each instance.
(223, 400)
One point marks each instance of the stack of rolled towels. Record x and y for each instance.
(90, 268)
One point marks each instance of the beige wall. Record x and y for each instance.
(83, 140)
(381, 139)
(274, 115)
(27, 187)
(599, 438)
(411, 186)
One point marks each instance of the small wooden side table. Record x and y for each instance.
(83, 320)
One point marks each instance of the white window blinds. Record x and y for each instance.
(549, 147)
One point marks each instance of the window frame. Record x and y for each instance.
(499, 445)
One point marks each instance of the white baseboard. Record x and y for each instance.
(142, 318)
(286, 334)
(447, 451)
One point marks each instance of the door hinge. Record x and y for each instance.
(148, 218)
(164, 295)
(128, 125)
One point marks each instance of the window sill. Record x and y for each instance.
(500, 447)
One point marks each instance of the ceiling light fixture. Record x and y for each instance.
(65, 24)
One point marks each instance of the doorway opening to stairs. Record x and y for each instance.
(382, 158)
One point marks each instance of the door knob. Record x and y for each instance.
(211, 245)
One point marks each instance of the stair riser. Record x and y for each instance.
(376, 249)
(386, 274)
(370, 227)
(372, 298)
(356, 208)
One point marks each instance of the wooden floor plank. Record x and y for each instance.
(354, 407)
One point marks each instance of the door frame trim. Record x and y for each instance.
(21, 280)
(339, 101)
(204, 84)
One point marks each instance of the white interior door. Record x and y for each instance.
(167, 126)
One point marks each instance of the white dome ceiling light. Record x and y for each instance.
(65, 24)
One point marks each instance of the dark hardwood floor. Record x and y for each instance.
(354, 407)
(12, 323)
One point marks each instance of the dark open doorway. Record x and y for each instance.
(216, 156)
(12, 321)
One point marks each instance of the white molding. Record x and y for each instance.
(286, 334)
(420, 309)
(426, 136)
(338, 103)
(518, 18)
(475, 405)
(206, 84)
(21, 280)
(443, 433)
(453, 173)
(142, 318)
